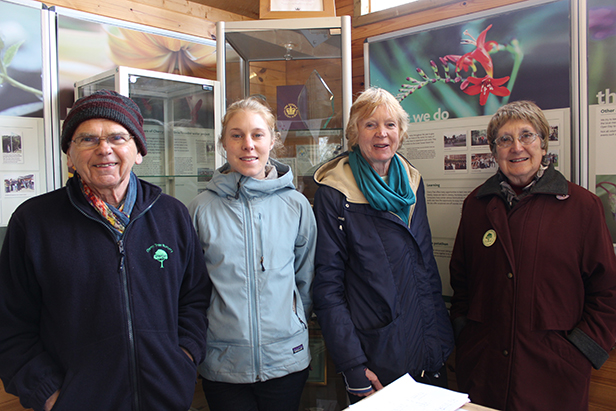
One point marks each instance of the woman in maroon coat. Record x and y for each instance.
(533, 271)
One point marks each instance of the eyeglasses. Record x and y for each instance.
(507, 140)
(115, 140)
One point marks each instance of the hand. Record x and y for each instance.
(51, 401)
(187, 353)
(374, 380)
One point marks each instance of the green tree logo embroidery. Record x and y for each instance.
(160, 253)
(161, 256)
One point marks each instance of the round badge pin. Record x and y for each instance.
(489, 238)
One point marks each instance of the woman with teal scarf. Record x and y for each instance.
(377, 290)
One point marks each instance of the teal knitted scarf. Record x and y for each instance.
(397, 196)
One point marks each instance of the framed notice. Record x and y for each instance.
(289, 9)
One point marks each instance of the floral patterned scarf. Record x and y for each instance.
(117, 218)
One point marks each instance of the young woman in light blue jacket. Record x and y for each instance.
(258, 235)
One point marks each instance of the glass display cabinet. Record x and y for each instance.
(302, 68)
(181, 122)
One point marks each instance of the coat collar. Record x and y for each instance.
(551, 183)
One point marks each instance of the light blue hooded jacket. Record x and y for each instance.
(259, 239)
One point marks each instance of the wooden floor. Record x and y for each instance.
(8, 402)
(603, 386)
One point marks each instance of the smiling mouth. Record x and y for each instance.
(106, 165)
(381, 145)
(248, 158)
(519, 160)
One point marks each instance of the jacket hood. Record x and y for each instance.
(227, 183)
(338, 175)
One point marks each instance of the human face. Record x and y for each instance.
(518, 162)
(248, 142)
(104, 168)
(379, 139)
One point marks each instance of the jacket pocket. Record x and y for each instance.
(167, 376)
(565, 353)
(386, 349)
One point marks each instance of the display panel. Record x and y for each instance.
(23, 163)
(602, 105)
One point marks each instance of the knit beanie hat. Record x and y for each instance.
(109, 105)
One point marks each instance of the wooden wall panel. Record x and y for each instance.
(177, 15)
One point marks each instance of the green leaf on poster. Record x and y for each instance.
(10, 53)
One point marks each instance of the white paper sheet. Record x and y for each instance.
(406, 394)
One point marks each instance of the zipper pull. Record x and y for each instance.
(120, 244)
(237, 193)
(262, 266)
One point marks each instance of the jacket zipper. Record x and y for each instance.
(252, 286)
(295, 311)
(132, 359)
(260, 232)
(129, 318)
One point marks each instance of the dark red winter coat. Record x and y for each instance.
(534, 302)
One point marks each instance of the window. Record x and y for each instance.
(371, 11)
(378, 5)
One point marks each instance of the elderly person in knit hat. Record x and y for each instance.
(103, 138)
(103, 285)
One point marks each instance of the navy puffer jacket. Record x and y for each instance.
(377, 291)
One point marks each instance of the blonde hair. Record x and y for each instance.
(257, 105)
(366, 104)
(519, 110)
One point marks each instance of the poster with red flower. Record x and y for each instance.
(471, 68)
